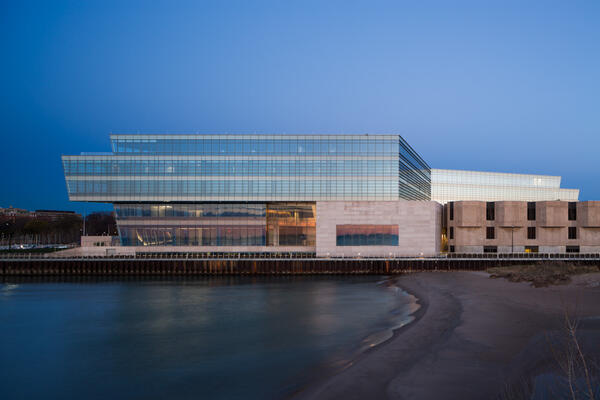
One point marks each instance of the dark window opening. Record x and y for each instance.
(451, 206)
(572, 232)
(451, 249)
(490, 232)
(490, 249)
(531, 232)
(531, 211)
(490, 208)
(451, 232)
(572, 211)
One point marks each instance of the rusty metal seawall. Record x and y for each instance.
(182, 266)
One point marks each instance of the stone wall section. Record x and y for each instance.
(419, 227)
(511, 225)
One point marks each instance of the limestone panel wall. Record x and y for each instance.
(468, 249)
(469, 236)
(552, 213)
(588, 236)
(92, 241)
(511, 213)
(588, 213)
(553, 236)
(469, 213)
(510, 237)
(419, 227)
(550, 230)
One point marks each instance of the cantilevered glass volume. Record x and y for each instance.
(240, 190)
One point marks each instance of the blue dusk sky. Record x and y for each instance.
(509, 86)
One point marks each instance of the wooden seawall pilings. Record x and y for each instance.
(190, 267)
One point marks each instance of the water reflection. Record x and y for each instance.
(232, 337)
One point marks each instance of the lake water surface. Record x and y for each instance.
(224, 338)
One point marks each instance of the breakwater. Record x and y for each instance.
(180, 265)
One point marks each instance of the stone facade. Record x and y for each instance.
(471, 227)
(549, 229)
(98, 241)
(419, 227)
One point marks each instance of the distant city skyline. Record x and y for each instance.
(511, 87)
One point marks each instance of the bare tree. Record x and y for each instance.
(574, 364)
(576, 375)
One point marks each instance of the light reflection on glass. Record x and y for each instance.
(366, 235)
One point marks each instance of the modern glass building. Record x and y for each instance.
(455, 185)
(242, 190)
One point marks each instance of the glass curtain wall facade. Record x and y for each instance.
(246, 190)
(225, 224)
(455, 185)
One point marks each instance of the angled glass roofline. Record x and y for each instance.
(335, 137)
(251, 136)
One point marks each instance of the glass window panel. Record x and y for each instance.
(367, 235)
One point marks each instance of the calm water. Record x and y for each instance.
(230, 338)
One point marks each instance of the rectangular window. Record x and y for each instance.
(451, 212)
(531, 211)
(366, 235)
(451, 232)
(531, 249)
(290, 224)
(572, 232)
(531, 232)
(572, 249)
(490, 208)
(451, 249)
(572, 211)
(490, 232)
(490, 249)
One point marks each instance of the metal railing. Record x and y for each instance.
(296, 255)
(524, 256)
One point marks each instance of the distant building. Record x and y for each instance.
(54, 215)
(14, 212)
(456, 185)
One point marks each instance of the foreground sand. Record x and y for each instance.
(472, 336)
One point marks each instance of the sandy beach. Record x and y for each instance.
(471, 338)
